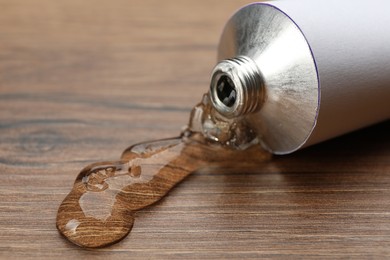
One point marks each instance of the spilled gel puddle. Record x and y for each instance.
(100, 208)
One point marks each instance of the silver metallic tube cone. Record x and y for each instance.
(304, 71)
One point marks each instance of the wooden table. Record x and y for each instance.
(82, 80)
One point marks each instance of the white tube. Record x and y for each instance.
(324, 68)
(350, 42)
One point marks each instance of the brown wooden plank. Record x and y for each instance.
(82, 80)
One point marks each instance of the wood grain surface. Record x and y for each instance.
(82, 80)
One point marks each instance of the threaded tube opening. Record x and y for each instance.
(237, 87)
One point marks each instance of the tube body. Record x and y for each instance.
(343, 69)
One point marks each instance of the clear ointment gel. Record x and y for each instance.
(305, 71)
